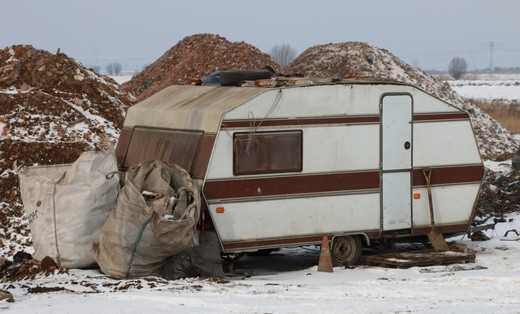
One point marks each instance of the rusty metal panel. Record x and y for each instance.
(122, 145)
(169, 146)
(203, 156)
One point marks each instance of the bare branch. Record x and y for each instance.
(457, 67)
(283, 54)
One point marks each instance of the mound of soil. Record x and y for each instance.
(500, 193)
(53, 85)
(355, 59)
(25, 267)
(51, 110)
(194, 57)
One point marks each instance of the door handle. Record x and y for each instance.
(407, 145)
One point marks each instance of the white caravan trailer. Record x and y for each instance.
(283, 166)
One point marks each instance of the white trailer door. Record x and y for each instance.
(396, 161)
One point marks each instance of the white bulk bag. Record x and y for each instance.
(67, 205)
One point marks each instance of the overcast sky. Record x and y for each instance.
(424, 33)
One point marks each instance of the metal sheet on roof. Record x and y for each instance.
(189, 107)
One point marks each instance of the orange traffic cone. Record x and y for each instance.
(325, 263)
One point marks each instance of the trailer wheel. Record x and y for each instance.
(346, 250)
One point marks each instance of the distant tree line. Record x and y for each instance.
(458, 67)
(498, 70)
(114, 68)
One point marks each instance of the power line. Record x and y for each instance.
(491, 45)
(443, 53)
(512, 50)
(460, 52)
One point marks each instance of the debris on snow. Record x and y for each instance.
(25, 267)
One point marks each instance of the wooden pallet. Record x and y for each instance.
(418, 258)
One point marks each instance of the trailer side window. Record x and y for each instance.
(267, 152)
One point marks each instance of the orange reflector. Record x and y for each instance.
(220, 210)
(416, 196)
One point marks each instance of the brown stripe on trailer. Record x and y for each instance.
(440, 116)
(444, 229)
(331, 182)
(230, 124)
(290, 185)
(450, 175)
(238, 246)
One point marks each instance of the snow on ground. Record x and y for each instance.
(289, 281)
(120, 79)
(499, 166)
(508, 92)
(505, 86)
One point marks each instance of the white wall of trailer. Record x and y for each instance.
(425, 103)
(312, 101)
(297, 216)
(452, 204)
(331, 100)
(444, 143)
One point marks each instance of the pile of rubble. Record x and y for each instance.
(500, 193)
(51, 110)
(53, 97)
(358, 60)
(194, 57)
(24, 266)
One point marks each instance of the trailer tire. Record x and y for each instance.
(235, 78)
(346, 250)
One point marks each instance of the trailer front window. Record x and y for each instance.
(267, 152)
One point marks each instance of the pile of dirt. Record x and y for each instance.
(51, 110)
(500, 194)
(24, 266)
(194, 57)
(56, 93)
(355, 59)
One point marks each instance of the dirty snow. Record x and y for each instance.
(289, 281)
(498, 166)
